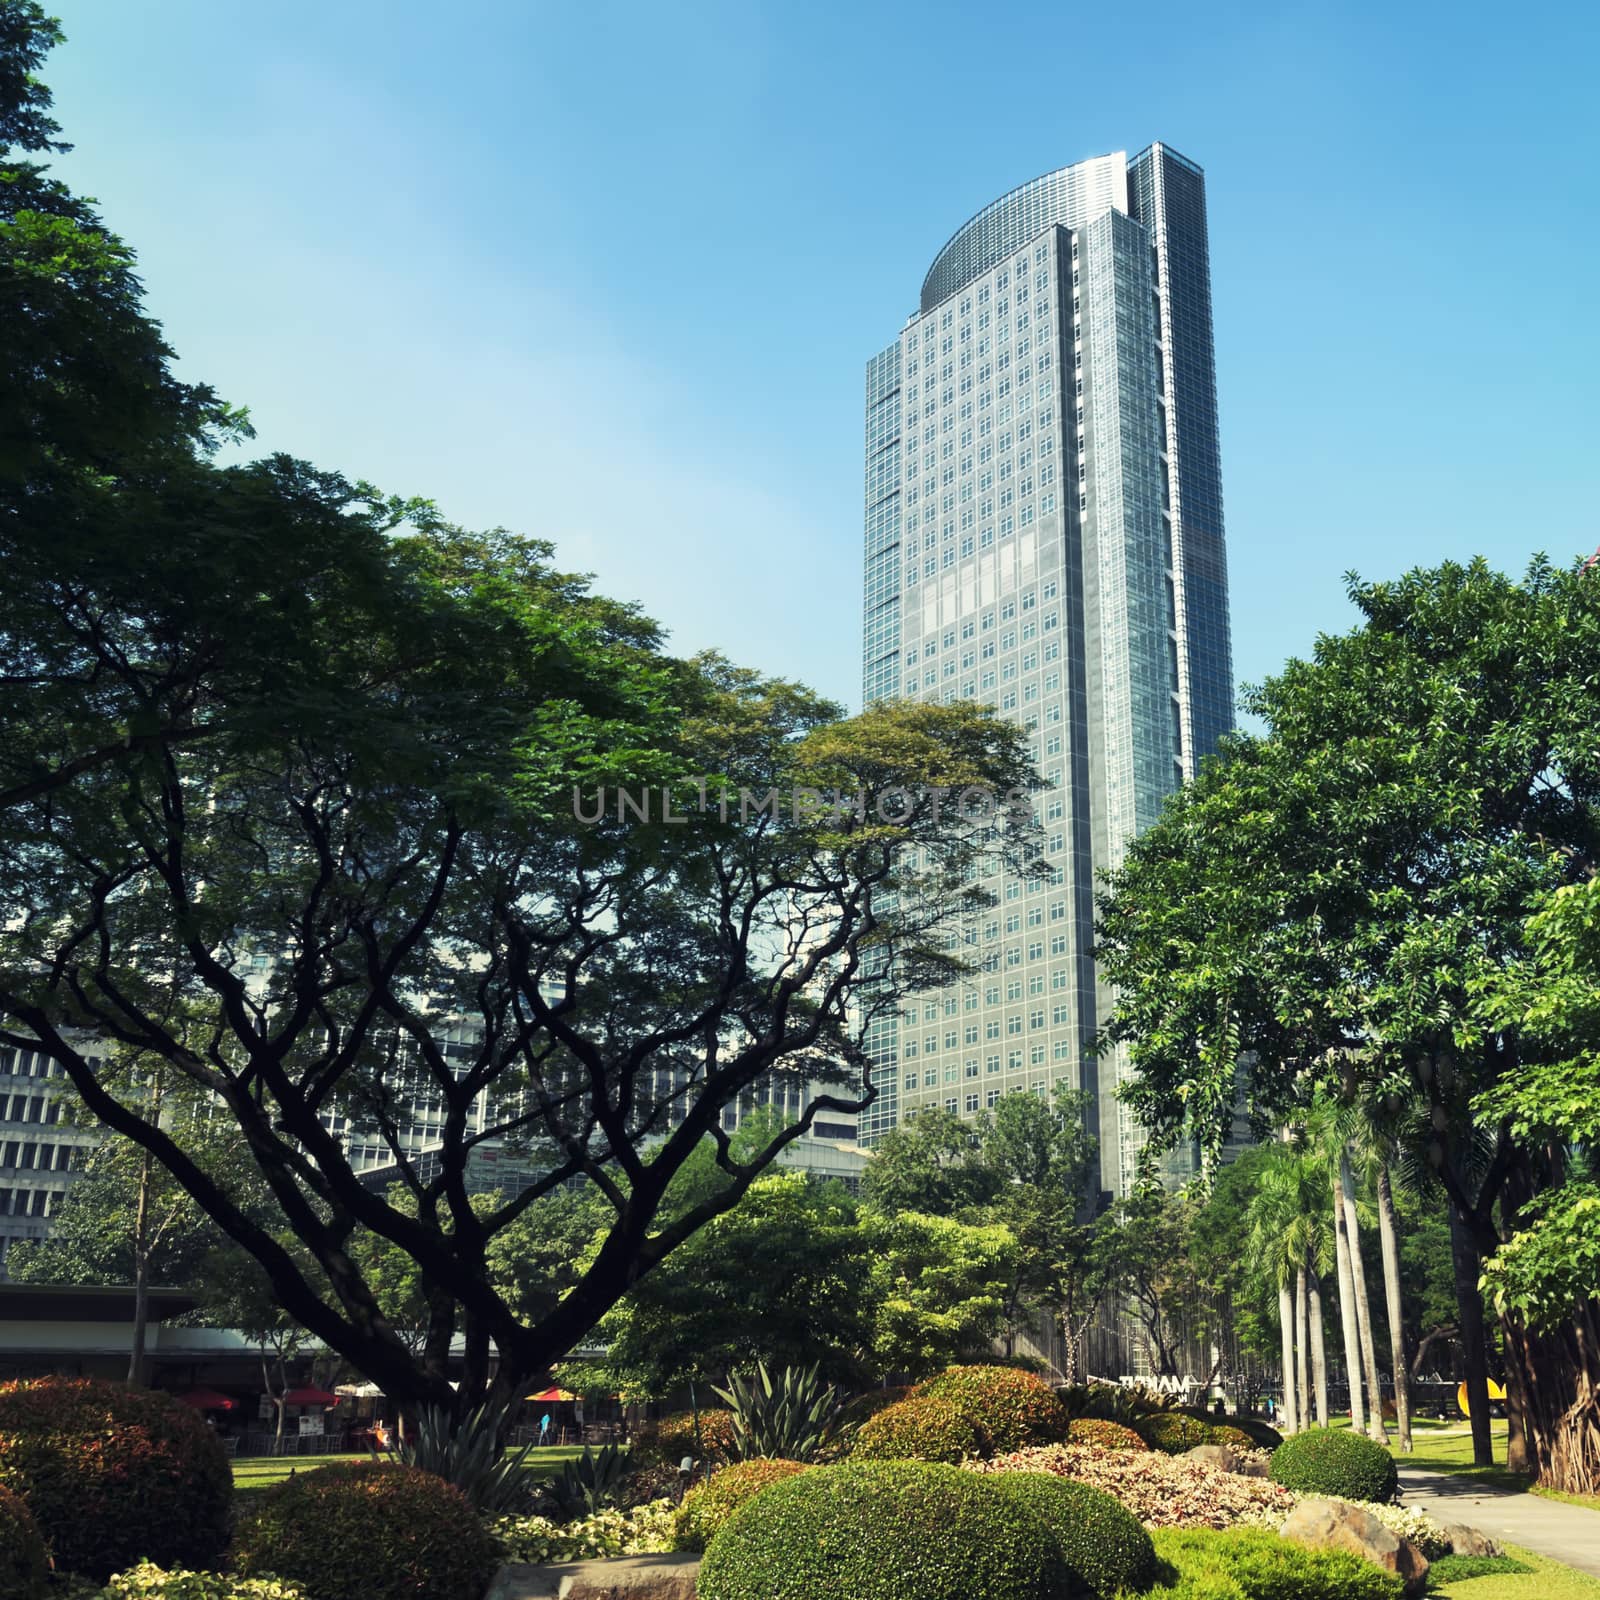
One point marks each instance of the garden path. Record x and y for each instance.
(1550, 1527)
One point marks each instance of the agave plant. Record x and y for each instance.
(792, 1418)
(470, 1455)
(590, 1483)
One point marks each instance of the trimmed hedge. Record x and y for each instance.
(1098, 1538)
(857, 1410)
(1261, 1434)
(148, 1582)
(708, 1506)
(1254, 1564)
(923, 1428)
(1336, 1461)
(1174, 1432)
(670, 1438)
(368, 1530)
(1010, 1408)
(24, 1566)
(113, 1475)
(1105, 1433)
(892, 1530)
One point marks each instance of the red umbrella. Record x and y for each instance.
(310, 1396)
(551, 1394)
(208, 1400)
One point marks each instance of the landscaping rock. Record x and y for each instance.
(668, 1577)
(1465, 1541)
(1336, 1525)
(1224, 1458)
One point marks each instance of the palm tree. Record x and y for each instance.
(1358, 1283)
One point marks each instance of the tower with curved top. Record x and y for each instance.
(1044, 534)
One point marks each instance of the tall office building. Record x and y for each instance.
(1044, 534)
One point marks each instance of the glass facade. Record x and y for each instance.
(1027, 547)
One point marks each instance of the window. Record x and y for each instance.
(972, 1102)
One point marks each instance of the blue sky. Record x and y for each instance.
(609, 274)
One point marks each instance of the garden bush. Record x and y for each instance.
(1174, 1432)
(149, 1582)
(1338, 1462)
(114, 1476)
(891, 1530)
(1103, 1432)
(367, 1530)
(643, 1531)
(671, 1438)
(857, 1410)
(1099, 1539)
(1009, 1407)
(1261, 1434)
(708, 1506)
(925, 1428)
(24, 1565)
(1160, 1490)
(1254, 1564)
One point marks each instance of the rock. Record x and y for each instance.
(1465, 1541)
(1224, 1458)
(1336, 1525)
(669, 1577)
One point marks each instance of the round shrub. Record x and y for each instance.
(1010, 1408)
(925, 1428)
(1338, 1462)
(856, 1411)
(114, 1475)
(24, 1565)
(891, 1530)
(1173, 1432)
(708, 1506)
(1261, 1434)
(366, 1530)
(671, 1438)
(1099, 1539)
(1105, 1433)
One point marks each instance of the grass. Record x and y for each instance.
(1547, 1580)
(252, 1474)
(1589, 1502)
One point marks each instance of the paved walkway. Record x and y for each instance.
(1550, 1527)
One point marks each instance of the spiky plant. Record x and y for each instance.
(592, 1482)
(792, 1417)
(470, 1454)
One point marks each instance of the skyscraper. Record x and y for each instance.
(1044, 534)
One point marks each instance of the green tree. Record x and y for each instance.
(264, 715)
(1332, 900)
(933, 1163)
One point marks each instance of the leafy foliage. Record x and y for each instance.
(1174, 1432)
(1253, 1564)
(113, 1475)
(920, 1428)
(670, 1438)
(1335, 1461)
(590, 1483)
(24, 1565)
(794, 1417)
(469, 1455)
(708, 1505)
(1443, 1570)
(646, 1529)
(1099, 1540)
(884, 1531)
(1102, 1431)
(1009, 1408)
(149, 1582)
(368, 1531)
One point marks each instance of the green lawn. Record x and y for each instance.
(252, 1474)
(1549, 1580)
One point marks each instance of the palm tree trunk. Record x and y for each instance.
(1358, 1282)
(1388, 1239)
(1319, 1354)
(1347, 1311)
(1286, 1327)
(1302, 1345)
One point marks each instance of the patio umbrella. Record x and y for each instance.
(208, 1400)
(310, 1396)
(550, 1394)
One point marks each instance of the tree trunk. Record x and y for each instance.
(1558, 1374)
(1302, 1373)
(1286, 1327)
(1388, 1240)
(1319, 1353)
(141, 1274)
(1347, 1310)
(1469, 1304)
(1358, 1281)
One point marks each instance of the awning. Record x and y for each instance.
(550, 1394)
(310, 1396)
(358, 1391)
(208, 1400)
